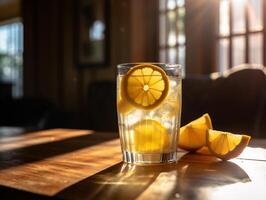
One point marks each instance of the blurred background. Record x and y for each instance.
(58, 59)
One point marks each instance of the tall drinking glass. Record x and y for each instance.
(149, 109)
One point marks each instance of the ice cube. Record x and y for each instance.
(174, 90)
(133, 117)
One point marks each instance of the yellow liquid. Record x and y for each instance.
(153, 132)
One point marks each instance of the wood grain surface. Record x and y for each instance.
(47, 162)
(80, 164)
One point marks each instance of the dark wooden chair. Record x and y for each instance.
(236, 99)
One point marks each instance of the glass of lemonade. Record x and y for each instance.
(149, 109)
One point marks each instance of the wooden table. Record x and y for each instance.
(81, 164)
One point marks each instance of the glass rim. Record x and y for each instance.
(165, 65)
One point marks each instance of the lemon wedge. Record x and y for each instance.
(193, 135)
(226, 145)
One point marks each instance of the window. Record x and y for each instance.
(240, 38)
(172, 31)
(11, 49)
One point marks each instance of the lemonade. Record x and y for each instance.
(149, 106)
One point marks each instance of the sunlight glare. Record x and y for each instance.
(3, 39)
(224, 17)
(172, 39)
(171, 4)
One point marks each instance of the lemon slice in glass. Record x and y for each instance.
(145, 86)
(149, 136)
(122, 104)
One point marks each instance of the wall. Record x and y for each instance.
(201, 21)
(49, 66)
(50, 70)
(9, 9)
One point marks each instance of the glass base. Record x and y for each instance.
(149, 158)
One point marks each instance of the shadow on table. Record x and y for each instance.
(14, 194)
(37, 152)
(183, 179)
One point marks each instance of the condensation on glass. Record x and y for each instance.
(172, 31)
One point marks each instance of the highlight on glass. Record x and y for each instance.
(149, 108)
